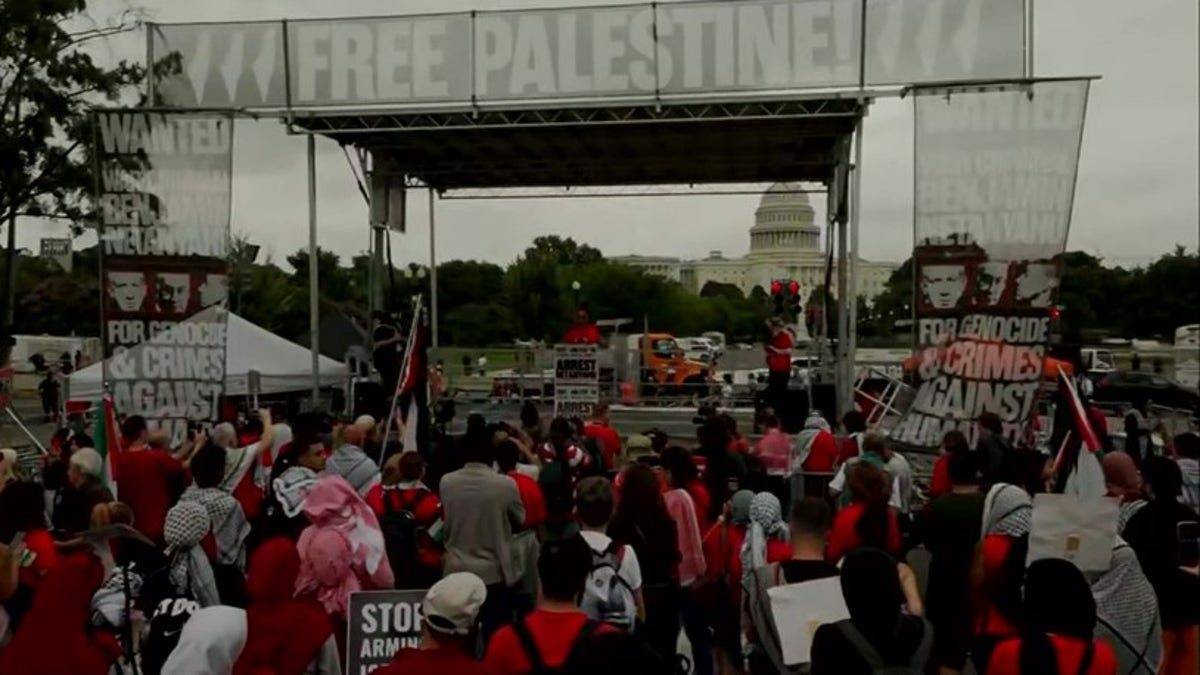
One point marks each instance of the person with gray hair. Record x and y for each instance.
(72, 511)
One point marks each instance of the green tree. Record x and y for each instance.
(563, 251)
(716, 289)
(48, 82)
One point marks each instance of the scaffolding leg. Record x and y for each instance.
(25, 430)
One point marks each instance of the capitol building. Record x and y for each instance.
(785, 243)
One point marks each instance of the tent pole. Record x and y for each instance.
(433, 275)
(313, 287)
(852, 290)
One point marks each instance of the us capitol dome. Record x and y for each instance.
(785, 243)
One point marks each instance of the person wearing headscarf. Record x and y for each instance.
(878, 634)
(998, 568)
(1059, 622)
(870, 519)
(1127, 613)
(814, 449)
(766, 536)
(722, 558)
(343, 550)
(1154, 534)
(56, 636)
(1124, 481)
(285, 635)
(186, 525)
(209, 643)
(809, 528)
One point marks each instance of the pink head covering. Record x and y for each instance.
(326, 569)
(334, 505)
(1122, 476)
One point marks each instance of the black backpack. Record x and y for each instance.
(592, 447)
(400, 531)
(555, 480)
(537, 666)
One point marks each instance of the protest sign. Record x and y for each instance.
(380, 624)
(163, 211)
(58, 250)
(995, 181)
(1082, 531)
(576, 380)
(799, 609)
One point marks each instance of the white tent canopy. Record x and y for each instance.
(283, 365)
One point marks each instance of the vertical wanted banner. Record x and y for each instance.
(995, 178)
(164, 182)
(576, 380)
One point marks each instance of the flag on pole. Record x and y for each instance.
(108, 441)
(1077, 464)
(412, 383)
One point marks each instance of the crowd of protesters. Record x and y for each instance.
(562, 547)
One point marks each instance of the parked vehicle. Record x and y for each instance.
(1139, 389)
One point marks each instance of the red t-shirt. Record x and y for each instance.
(44, 556)
(586, 334)
(780, 362)
(531, 498)
(554, 634)
(990, 621)
(701, 500)
(609, 440)
(1006, 659)
(146, 480)
(849, 449)
(823, 453)
(441, 661)
(940, 483)
(426, 509)
(724, 558)
(843, 536)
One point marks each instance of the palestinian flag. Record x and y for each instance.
(411, 399)
(108, 441)
(1077, 468)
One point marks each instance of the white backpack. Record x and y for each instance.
(607, 596)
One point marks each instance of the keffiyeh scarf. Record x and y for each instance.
(1008, 510)
(1126, 608)
(292, 486)
(185, 526)
(766, 520)
(229, 525)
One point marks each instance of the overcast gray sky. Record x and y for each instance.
(1137, 193)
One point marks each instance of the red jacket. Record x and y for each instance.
(586, 334)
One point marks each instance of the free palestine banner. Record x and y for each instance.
(995, 181)
(163, 202)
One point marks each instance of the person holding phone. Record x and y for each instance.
(1164, 536)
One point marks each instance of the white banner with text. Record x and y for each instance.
(995, 182)
(163, 205)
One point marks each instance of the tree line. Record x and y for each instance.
(482, 303)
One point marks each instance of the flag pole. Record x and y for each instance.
(404, 366)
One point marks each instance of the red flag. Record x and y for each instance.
(1083, 421)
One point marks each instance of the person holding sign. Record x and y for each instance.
(447, 630)
(1060, 617)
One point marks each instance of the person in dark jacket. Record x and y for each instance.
(877, 635)
(992, 448)
(1153, 532)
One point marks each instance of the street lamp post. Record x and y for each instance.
(576, 286)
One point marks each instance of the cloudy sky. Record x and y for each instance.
(1137, 192)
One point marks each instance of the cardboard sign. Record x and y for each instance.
(1082, 531)
(380, 624)
(799, 609)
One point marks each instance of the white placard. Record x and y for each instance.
(799, 609)
(1082, 531)
(576, 380)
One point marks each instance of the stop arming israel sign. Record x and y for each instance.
(380, 624)
(576, 380)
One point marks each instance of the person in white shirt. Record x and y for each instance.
(594, 504)
(1187, 446)
(875, 449)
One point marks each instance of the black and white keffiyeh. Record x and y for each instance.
(186, 524)
(229, 525)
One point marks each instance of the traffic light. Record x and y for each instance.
(794, 291)
(1056, 312)
(777, 296)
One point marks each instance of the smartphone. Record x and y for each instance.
(1187, 534)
